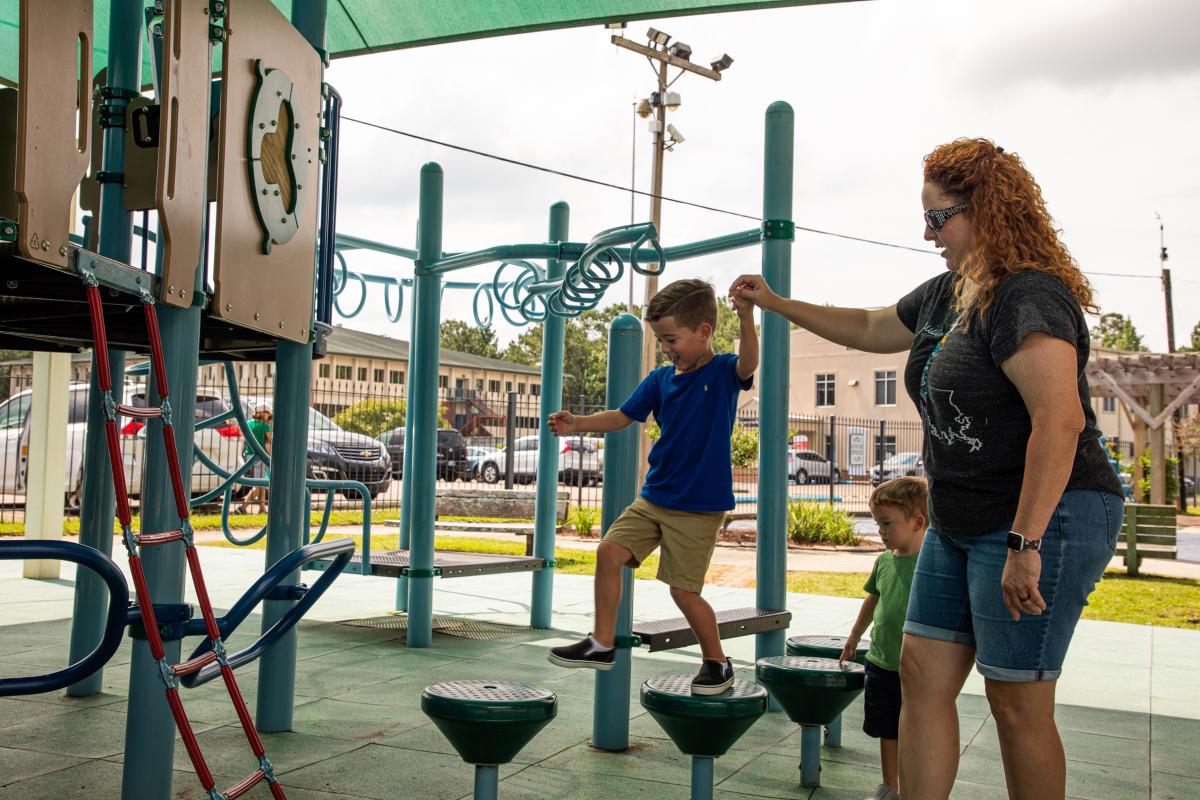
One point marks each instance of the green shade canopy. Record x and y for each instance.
(374, 26)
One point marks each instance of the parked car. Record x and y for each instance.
(221, 444)
(474, 454)
(337, 454)
(452, 462)
(896, 466)
(579, 461)
(805, 466)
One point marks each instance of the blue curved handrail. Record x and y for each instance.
(342, 550)
(114, 627)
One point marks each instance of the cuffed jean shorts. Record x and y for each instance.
(956, 594)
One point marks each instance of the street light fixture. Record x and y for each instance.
(658, 37)
(644, 109)
(681, 50)
(721, 62)
(672, 101)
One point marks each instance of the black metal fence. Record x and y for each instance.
(831, 459)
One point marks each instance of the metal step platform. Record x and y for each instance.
(42, 308)
(451, 564)
(669, 634)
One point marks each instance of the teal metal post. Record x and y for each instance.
(545, 515)
(98, 503)
(287, 511)
(406, 474)
(610, 719)
(421, 437)
(773, 377)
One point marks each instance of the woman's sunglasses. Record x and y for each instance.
(935, 218)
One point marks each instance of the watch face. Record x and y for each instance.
(1016, 541)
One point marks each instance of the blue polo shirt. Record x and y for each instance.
(690, 464)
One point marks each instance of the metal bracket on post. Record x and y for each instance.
(779, 229)
(294, 592)
(436, 572)
(630, 642)
(8, 230)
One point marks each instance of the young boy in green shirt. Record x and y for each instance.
(901, 509)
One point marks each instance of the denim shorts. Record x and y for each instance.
(956, 593)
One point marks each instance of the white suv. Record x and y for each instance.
(579, 460)
(223, 445)
(805, 466)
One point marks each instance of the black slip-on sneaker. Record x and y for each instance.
(715, 677)
(582, 655)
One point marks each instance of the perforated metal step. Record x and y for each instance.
(395, 563)
(669, 634)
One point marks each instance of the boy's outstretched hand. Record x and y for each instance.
(849, 651)
(562, 423)
(752, 288)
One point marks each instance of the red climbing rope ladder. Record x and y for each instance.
(170, 673)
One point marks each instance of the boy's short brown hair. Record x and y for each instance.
(909, 494)
(690, 301)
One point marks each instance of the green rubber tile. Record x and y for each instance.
(965, 790)
(1173, 787)
(88, 779)
(385, 773)
(973, 705)
(538, 783)
(14, 711)
(1088, 748)
(1108, 722)
(227, 746)
(20, 765)
(775, 776)
(646, 759)
(1180, 757)
(357, 722)
(1167, 727)
(1103, 782)
(981, 765)
(84, 733)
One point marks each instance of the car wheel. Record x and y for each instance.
(801, 477)
(374, 493)
(593, 480)
(489, 472)
(837, 476)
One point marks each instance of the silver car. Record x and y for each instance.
(805, 466)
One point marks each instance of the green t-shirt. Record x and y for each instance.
(891, 579)
(260, 430)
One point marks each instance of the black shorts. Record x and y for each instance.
(881, 712)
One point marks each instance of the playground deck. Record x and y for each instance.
(1129, 704)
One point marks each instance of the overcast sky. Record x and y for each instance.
(1101, 98)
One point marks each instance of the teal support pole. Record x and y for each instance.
(287, 511)
(421, 437)
(406, 473)
(702, 778)
(545, 513)
(810, 756)
(97, 502)
(773, 377)
(487, 778)
(149, 727)
(610, 719)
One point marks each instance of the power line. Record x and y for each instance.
(606, 184)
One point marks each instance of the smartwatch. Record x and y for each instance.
(1017, 542)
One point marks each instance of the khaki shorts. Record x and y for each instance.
(687, 539)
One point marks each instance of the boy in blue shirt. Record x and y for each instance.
(690, 483)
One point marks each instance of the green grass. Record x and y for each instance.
(1145, 600)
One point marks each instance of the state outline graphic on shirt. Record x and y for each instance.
(961, 418)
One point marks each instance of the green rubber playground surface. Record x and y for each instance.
(1129, 704)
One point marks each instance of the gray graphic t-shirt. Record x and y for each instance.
(976, 423)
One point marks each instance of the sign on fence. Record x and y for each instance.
(858, 451)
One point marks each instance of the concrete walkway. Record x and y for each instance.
(1129, 704)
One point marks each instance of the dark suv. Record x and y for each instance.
(451, 453)
(338, 454)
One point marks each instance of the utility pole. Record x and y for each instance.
(661, 57)
(1181, 499)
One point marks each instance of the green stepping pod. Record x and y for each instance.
(488, 722)
(813, 691)
(825, 647)
(698, 725)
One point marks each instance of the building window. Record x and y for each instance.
(508, 386)
(535, 389)
(378, 376)
(479, 384)
(362, 374)
(493, 386)
(825, 389)
(343, 373)
(885, 387)
(1110, 404)
(443, 381)
(323, 371)
(888, 447)
(395, 376)
(520, 388)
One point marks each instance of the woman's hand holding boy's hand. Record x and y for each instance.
(753, 288)
(743, 306)
(562, 423)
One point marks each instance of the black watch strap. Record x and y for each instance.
(1018, 543)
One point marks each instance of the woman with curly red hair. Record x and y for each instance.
(1024, 506)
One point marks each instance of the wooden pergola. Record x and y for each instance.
(1150, 386)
